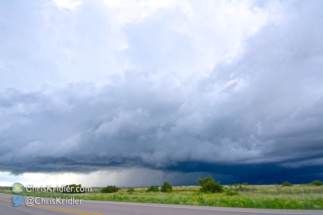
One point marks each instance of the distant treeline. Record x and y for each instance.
(208, 185)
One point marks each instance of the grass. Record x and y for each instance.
(250, 196)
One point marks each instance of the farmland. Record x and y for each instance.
(304, 196)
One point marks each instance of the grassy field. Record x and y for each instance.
(245, 196)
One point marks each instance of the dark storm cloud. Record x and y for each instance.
(258, 118)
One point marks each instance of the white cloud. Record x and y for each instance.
(68, 4)
(94, 40)
(191, 38)
(124, 12)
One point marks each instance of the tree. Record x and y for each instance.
(166, 187)
(110, 189)
(317, 183)
(131, 190)
(208, 185)
(286, 183)
(153, 188)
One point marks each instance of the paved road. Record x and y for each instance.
(120, 208)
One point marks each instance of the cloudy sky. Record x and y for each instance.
(137, 92)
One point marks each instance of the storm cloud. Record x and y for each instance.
(256, 115)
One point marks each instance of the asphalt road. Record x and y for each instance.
(120, 208)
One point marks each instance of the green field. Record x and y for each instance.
(244, 196)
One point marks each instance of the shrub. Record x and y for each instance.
(110, 189)
(131, 190)
(153, 188)
(286, 183)
(208, 185)
(166, 187)
(231, 193)
(317, 183)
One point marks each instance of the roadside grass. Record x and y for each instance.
(248, 196)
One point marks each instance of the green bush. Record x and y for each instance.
(286, 183)
(208, 185)
(166, 187)
(317, 183)
(153, 188)
(231, 193)
(110, 189)
(131, 190)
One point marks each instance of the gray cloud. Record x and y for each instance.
(261, 110)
